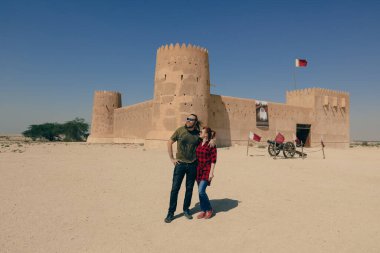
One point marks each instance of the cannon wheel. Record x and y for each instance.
(273, 150)
(289, 149)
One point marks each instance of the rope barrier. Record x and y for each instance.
(261, 151)
(310, 142)
(303, 153)
(313, 151)
(264, 142)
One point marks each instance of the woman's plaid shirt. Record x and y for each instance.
(205, 156)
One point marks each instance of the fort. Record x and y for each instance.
(182, 87)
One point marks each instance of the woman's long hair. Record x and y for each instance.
(210, 133)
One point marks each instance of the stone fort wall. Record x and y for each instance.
(132, 123)
(233, 119)
(331, 114)
(182, 86)
(327, 112)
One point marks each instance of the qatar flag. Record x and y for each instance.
(279, 138)
(254, 137)
(301, 63)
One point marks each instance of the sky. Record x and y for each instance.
(55, 54)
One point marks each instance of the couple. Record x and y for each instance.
(195, 158)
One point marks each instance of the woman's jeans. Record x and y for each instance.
(203, 198)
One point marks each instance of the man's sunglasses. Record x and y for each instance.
(190, 119)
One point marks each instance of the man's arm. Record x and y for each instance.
(212, 143)
(170, 151)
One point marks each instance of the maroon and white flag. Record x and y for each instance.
(254, 137)
(279, 138)
(301, 63)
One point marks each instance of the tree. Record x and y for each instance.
(48, 131)
(74, 130)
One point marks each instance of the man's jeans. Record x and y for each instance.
(180, 170)
(203, 198)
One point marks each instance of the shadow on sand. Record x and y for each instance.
(218, 205)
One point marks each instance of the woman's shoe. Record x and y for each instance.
(201, 215)
(208, 214)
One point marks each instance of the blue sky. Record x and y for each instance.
(55, 54)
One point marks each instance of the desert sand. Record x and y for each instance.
(78, 197)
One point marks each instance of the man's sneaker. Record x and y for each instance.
(187, 214)
(169, 218)
(201, 215)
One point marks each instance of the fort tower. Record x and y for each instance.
(105, 102)
(181, 87)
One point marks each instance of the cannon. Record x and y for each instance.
(288, 148)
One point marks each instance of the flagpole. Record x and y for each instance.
(247, 146)
(294, 77)
(323, 147)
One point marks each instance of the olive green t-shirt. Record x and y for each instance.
(187, 142)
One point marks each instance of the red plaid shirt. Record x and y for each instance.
(205, 156)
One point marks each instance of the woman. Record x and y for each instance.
(206, 157)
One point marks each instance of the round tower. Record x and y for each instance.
(181, 87)
(105, 102)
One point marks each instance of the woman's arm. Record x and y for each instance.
(213, 162)
(211, 175)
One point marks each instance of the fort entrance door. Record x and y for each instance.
(303, 133)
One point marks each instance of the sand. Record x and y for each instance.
(78, 197)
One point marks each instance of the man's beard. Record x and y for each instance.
(188, 127)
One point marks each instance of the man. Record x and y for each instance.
(187, 138)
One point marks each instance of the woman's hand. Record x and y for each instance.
(210, 177)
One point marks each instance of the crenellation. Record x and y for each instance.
(316, 90)
(166, 51)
